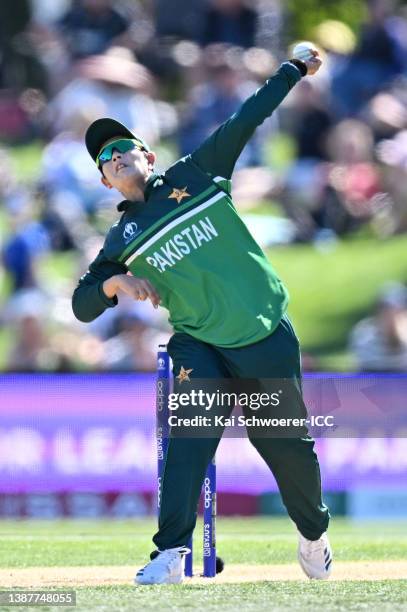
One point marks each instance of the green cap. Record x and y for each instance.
(102, 130)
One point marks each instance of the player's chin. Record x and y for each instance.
(126, 171)
(127, 176)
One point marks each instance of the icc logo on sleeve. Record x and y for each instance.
(130, 231)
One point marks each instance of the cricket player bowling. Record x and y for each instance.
(181, 244)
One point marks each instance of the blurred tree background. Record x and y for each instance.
(304, 16)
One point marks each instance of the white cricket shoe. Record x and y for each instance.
(166, 568)
(315, 556)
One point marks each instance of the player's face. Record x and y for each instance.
(127, 170)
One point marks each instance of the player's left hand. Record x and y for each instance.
(313, 64)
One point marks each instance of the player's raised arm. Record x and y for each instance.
(218, 153)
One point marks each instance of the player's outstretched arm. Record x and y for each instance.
(218, 153)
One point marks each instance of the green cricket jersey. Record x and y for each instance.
(187, 239)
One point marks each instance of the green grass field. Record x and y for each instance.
(259, 546)
(330, 291)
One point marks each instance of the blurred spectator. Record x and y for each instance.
(379, 343)
(114, 85)
(29, 345)
(18, 263)
(352, 178)
(336, 196)
(15, 16)
(62, 233)
(386, 113)
(229, 21)
(91, 26)
(27, 241)
(380, 55)
(47, 12)
(223, 89)
(179, 18)
(391, 207)
(27, 312)
(23, 76)
(311, 121)
(133, 346)
(70, 179)
(353, 175)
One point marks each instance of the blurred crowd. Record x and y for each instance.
(334, 157)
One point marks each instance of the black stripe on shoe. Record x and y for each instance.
(328, 564)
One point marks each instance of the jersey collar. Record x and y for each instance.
(125, 204)
(150, 185)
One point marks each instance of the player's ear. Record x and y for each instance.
(151, 157)
(105, 182)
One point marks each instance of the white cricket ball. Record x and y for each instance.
(303, 51)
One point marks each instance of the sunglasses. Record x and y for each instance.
(122, 145)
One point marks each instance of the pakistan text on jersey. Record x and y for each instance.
(182, 243)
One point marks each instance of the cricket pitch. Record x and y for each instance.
(36, 577)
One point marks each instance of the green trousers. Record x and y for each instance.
(292, 461)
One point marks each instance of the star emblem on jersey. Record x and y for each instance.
(184, 374)
(179, 194)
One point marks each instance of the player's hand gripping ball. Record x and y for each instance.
(308, 53)
(304, 51)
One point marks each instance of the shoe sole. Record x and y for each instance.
(171, 580)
